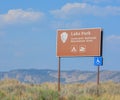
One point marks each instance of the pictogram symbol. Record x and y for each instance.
(64, 37)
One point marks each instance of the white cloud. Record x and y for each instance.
(71, 9)
(102, 1)
(97, 1)
(21, 16)
(113, 38)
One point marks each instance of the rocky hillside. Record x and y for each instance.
(36, 76)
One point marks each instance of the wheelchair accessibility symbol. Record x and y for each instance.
(98, 61)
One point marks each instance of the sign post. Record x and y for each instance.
(58, 74)
(98, 61)
(82, 42)
(98, 80)
(98, 75)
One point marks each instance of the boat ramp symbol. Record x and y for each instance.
(82, 48)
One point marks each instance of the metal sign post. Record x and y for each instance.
(98, 61)
(98, 75)
(79, 43)
(98, 80)
(59, 78)
(58, 74)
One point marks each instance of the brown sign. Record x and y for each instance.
(83, 42)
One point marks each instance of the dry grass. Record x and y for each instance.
(14, 90)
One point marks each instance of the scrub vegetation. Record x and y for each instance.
(11, 89)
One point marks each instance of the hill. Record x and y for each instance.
(36, 76)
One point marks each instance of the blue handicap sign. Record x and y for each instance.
(98, 61)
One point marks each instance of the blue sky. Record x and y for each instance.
(28, 31)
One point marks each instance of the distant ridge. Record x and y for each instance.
(37, 76)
